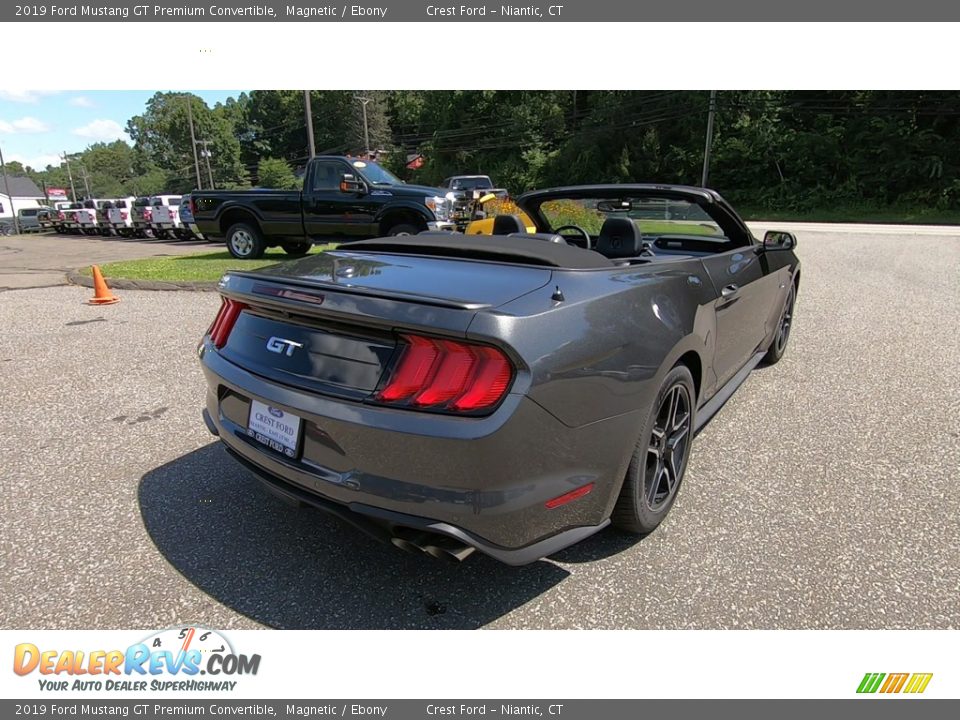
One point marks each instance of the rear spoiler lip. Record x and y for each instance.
(224, 283)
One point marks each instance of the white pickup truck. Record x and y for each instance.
(92, 219)
(166, 216)
(67, 218)
(120, 216)
(142, 214)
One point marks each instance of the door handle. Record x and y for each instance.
(729, 290)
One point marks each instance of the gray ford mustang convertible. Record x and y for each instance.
(510, 393)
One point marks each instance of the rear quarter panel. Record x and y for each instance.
(603, 350)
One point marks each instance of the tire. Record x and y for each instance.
(779, 344)
(297, 249)
(660, 458)
(245, 242)
(403, 229)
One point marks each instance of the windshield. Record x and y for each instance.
(475, 183)
(376, 174)
(653, 215)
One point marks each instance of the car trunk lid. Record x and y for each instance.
(332, 323)
(435, 281)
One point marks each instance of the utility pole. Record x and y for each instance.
(73, 190)
(6, 188)
(86, 180)
(206, 155)
(193, 144)
(306, 106)
(366, 129)
(709, 144)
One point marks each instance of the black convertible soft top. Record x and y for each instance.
(496, 248)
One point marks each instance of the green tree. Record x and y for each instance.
(276, 173)
(161, 137)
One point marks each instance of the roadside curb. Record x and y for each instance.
(75, 278)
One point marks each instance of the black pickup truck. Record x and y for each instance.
(342, 199)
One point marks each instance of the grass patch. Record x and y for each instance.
(892, 216)
(678, 227)
(198, 267)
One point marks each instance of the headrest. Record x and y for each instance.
(619, 238)
(507, 224)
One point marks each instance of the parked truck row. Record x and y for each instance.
(155, 216)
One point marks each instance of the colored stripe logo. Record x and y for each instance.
(913, 683)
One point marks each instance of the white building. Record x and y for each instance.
(25, 194)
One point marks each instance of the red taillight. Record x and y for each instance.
(450, 376)
(412, 372)
(193, 206)
(434, 374)
(123, 214)
(227, 317)
(490, 381)
(147, 214)
(60, 215)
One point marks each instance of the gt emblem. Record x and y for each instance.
(279, 345)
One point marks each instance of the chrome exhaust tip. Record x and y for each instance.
(406, 545)
(449, 551)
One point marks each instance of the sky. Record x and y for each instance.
(36, 126)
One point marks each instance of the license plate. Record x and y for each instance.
(273, 427)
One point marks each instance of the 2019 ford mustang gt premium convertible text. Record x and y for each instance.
(511, 393)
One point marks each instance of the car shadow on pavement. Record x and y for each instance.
(302, 569)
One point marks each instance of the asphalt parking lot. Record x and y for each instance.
(41, 260)
(824, 495)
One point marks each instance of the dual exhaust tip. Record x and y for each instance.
(440, 547)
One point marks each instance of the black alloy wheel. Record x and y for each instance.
(668, 449)
(660, 457)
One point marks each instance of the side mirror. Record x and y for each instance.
(352, 184)
(778, 240)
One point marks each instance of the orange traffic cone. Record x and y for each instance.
(101, 293)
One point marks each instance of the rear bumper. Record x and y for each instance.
(481, 481)
(385, 525)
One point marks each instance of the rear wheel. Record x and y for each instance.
(297, 249)
(779, 345)
(244, 242)
(660, 457)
